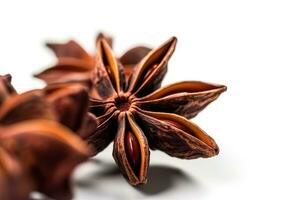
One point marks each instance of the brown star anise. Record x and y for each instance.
(70, 102)
(36, 152)
(137, 115)
(75, 64)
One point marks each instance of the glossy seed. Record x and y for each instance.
(133, 151)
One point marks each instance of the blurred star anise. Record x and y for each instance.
(70, 103)
(36, 152)
(76, 64)
(136, 114)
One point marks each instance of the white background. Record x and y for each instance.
(253, 47)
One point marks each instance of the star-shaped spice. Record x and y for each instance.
(77, 65)
(137, 115)
(36, 152)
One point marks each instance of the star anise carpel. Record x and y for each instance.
(137, 114)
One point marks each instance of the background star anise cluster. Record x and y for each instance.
(90, 101)
(39, 146)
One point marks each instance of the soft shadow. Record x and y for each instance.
(105, 170)
(162, 178)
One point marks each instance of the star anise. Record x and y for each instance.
(137, 115)
(70, 103)
(76, 64)
(36, 152)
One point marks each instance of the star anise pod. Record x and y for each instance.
(77, 65)
(137, 115)
(36, 152)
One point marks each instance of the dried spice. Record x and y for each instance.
(70, 103)
(77, 65)
(36, 152)
(129, 105)
(137, 115)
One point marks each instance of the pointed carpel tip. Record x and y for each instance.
(223, 88)
(102, 43)
(8, 77)
(107, 37)
(173, 40)
(36, 75)
(100, 35)
(172, 43)
(216, 150)
(213, 151)
(53, 45)
(138, 183)
(48, 44)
